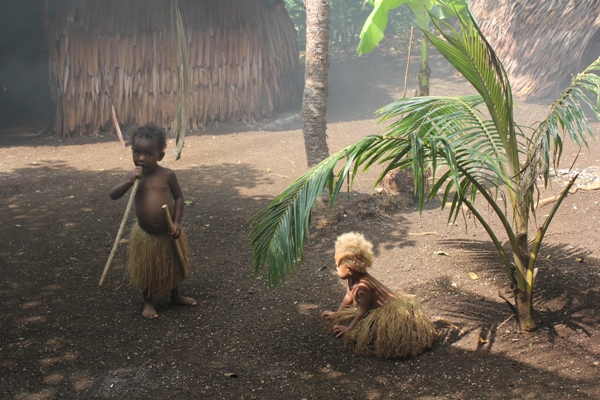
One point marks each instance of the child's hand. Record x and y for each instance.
(340, 330)
(327, 314)
(137, 174)
(176, 230)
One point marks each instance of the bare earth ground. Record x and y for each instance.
(61, 336)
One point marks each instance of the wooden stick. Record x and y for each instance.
(121, 228)
(505, 321)
(408, 62)
(113, 112)
(116, 123)
(171, 229)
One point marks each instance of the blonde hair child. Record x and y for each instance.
(371, 318)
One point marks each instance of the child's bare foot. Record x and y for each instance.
(176, 298)
(149, 310)
(183, 301)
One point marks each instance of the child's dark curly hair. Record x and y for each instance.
(153, 132)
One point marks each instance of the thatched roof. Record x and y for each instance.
(243, 61)
(541, 42)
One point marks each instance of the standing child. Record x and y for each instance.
(154, 265)
(372, 319)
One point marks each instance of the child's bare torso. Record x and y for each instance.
(380, 294)
(154, 190)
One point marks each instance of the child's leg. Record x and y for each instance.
(176, 298)
(149, 310)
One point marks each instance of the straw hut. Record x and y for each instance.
(542, 43)
(243, 61)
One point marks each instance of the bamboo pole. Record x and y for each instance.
(121, 228)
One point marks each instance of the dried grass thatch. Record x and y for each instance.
(397, 330)
(153, 262)
(243, 61)
(541, 42)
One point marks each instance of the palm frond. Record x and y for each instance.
(278, 231)
(453, 128)
(567, 112)
(470, 53)
(566, 115)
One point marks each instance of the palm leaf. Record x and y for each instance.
(278, 231)
(470, 53)
(566, 115)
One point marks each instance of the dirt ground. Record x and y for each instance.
(61, 336)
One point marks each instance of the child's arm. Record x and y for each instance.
(178, 205)
(363, 300)
(121, 188)
(346, 302)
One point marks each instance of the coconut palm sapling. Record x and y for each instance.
(473, 146)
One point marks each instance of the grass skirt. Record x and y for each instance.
(154, 265)
(396, 330)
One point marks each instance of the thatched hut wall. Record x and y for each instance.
(541, 42)
(243, 61)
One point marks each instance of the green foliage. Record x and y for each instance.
(473, 146)
(375, 25)
(295, 9)
(347, 18)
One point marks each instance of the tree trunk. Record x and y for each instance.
(523, 290)
(314, 101)
(424, 72)
(423, 81)
(524, 306)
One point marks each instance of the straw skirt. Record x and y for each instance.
(396, 330)
(154, 265)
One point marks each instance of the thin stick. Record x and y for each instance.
(121, 228)
(116, 123)
(422, 233)
(177, 245)
(505, 321)
(114, 114)
(412, 28)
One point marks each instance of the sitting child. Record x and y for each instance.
(372, 319)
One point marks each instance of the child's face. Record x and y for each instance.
(342, 268)
(146, 153)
